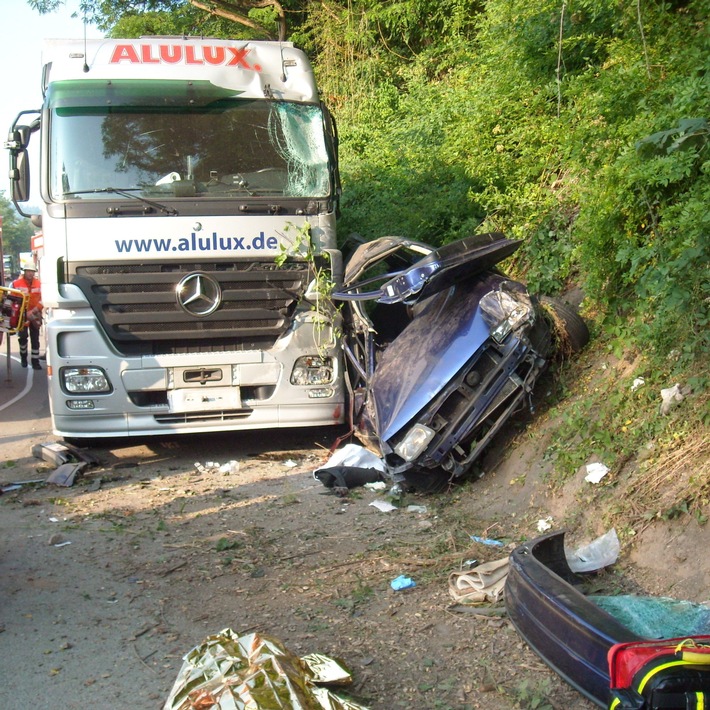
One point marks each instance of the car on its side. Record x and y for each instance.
(442, 349)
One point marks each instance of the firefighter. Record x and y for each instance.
(29, 283)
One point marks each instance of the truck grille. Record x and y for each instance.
(138, 308)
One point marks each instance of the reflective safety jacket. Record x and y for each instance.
(33, 290)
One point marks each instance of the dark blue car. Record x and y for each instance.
(442, 349)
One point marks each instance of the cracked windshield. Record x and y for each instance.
(229, 148)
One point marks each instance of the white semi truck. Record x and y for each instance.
(190, 190)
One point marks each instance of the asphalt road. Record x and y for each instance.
(24, 405)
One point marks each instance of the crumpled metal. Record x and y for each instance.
(256, 672)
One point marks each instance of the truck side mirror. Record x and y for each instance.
(18, 139)
(20, 175)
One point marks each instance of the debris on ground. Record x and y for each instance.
(52, 452)
(350, 467)
(637, 383)
(487, 541)
(599, 553)
(544, 524)
(402, 582)
(65, 474)
(69, 460)
(485, 583)
(216, 467)
(672, 397)
(383, 506)
(595, 472)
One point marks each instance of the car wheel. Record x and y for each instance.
(428, 480)
(571, 331)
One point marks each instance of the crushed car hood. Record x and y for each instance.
(435, 345)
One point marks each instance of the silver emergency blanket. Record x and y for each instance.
(256, 672)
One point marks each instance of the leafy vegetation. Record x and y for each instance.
(16, 231)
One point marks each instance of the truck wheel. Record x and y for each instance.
(571, 332)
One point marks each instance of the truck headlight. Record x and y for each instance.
(312, 370)
(83, 380)
(414, 443)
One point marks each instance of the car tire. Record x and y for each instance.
(428, 480)
(570, 329)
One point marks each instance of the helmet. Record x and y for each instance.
(27, 265)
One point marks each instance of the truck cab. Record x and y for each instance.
(190, 192)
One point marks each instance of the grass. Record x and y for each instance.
(659, 463)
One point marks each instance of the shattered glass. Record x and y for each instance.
(297, 134)
(657, 617)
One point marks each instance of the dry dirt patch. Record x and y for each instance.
(161, 555)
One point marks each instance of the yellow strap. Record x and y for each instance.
(655, 670)
(614, 703)
(700, 701)
(702, 659)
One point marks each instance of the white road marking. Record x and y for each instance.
(28, 385)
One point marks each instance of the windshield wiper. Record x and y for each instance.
(125, 193)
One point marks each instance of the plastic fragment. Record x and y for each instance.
(487, 541)
(416, 509)
(402, 582)
(638, 382)
(544, 524)
(599, 553)
(52, 452)
(595, 472)
(671, 397)
(383, 506)
(357, 456)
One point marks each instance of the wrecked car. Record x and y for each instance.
(442, 349)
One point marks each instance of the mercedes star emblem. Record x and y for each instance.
(198, 294)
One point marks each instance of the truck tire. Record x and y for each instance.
(571, 332)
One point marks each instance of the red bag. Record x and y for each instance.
(666, 674)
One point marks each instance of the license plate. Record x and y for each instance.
(207, 399)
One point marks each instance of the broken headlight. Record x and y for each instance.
(414, 443)
(505, 311)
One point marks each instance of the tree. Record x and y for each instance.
(16, 230)
(262, 18)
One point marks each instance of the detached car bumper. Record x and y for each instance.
(568, 631)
